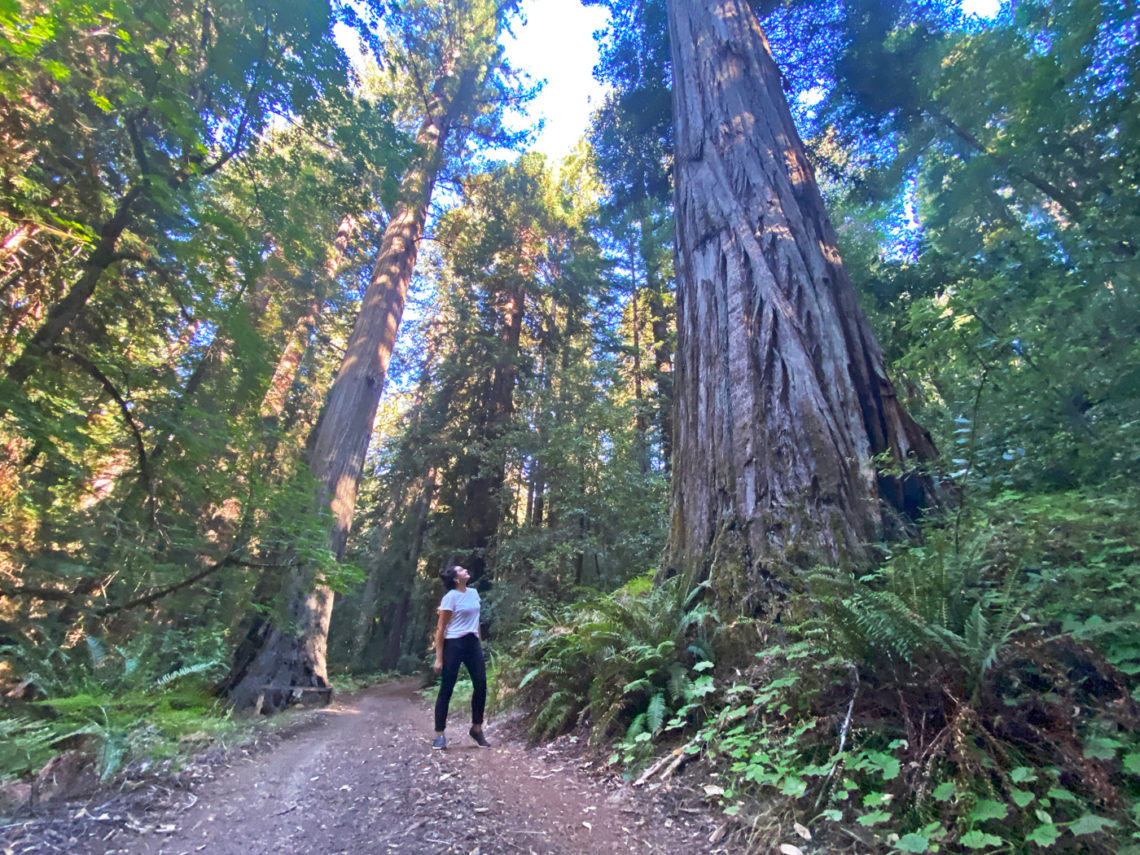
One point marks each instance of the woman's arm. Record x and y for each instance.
(440, 629)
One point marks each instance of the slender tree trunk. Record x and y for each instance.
(294, 653)
(288, 365)
(782, 396)
(64, 313)
(398, 626)
(483, 507)
(537, 499)
(366, 616)
(285, 372)
(661, 324)
(641, 423)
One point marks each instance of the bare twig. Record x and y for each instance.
(842, 737)
(678, 761)
(671, 760)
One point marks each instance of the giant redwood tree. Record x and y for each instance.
(791, 446)
(449, 50)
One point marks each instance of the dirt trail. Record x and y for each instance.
(361, 778)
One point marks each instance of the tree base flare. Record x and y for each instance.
(277, 671)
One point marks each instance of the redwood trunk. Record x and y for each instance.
(483, 507)
(293, 654)
(663, 376)
(398, 626)
(782, 396)
(640, 422)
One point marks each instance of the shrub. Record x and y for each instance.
(631, 662)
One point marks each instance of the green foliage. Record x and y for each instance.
(927, 604)
(968, 695)
(996, 258)
(171, 192)
(25, 743)
(116, 704)
(937, 703)
(630, 662)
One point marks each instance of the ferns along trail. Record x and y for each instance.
(786, 426)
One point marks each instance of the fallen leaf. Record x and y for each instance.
(789, 849)
(801, 831)
(588, 826)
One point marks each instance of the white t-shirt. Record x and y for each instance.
(464, 610)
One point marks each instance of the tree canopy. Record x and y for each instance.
(787, 422)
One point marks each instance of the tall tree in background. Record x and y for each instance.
(632, 139)
(783, 402)
(526, 402)
(452, 69)
(151, 252)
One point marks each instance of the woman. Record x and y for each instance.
(457, 641)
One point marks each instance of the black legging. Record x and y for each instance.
(468, 651)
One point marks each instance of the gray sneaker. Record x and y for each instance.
(440, 743)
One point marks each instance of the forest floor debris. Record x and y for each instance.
(360, 777)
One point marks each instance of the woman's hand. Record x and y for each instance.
(438, 666)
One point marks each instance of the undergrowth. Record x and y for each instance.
(975, 693)
(632, 664)
(116, 704)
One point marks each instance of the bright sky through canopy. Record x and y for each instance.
(557, 45)
(981, 8)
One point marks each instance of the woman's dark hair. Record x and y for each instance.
(448, 576)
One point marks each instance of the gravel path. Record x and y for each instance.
(359, 777)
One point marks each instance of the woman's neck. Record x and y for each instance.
(461, 587)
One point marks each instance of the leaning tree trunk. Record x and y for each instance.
(288, 366)
(783, 401)
(293, 653)
(63, 313)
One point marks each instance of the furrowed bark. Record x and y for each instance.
(782, 397)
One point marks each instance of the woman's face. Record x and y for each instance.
(461, 575)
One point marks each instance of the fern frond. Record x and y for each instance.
(655, 713)
(198, 668)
